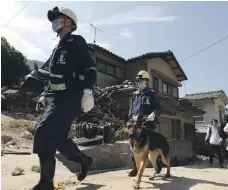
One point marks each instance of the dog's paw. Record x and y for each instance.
(136, 186)
(167, 175)
(151, 178)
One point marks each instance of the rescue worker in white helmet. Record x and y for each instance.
(146, 102)
(72, 77)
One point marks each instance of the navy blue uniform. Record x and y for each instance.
(145, 102)
(71, 70)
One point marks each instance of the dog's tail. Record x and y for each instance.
(159, 164)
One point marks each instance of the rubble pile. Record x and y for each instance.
(19, 102)
(107, 109)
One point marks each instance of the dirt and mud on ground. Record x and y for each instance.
(15, 132)
(193, 177)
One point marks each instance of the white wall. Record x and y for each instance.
(211, 109)
(162, 66)
(210, 112)
(218, 103)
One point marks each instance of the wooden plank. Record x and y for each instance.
(84, 140)
(11, 151)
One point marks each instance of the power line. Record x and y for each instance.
(16, 14)
(204, 49)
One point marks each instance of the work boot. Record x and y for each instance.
(69, 149)
(84, 161)
(85, 164)
(47, 172)
(134, 171)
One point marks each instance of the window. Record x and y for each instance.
(105, 67)
(110, 69)
(170, 90)
(164, 88)
(155, 83)
(175, 92)
(119, 73)
(101, 66)
(176, 129)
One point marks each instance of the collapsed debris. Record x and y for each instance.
(106, 111)
(111, 103)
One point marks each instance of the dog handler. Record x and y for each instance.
(72, 77)
(144, 101)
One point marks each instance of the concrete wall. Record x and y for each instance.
(110, 156)
(166, 125)
(181, 149)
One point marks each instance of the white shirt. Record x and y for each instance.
(226, 131)
(226, 128)
(215, 138)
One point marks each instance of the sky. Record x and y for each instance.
(131, 29)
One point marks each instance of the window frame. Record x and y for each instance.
(111, 65)
(166, 87)
(177, 89)
(155, 79)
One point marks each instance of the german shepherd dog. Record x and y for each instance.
(146, 146)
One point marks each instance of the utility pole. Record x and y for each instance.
(95, 32)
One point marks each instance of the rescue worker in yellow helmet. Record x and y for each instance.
(72, 75)
(146, 102)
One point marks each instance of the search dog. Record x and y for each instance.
(147, 146)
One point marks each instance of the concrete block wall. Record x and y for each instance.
(110, 156)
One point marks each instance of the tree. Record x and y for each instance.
(14, 66)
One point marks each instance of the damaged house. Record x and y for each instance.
(177, 121)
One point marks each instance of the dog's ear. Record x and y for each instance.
(126, 118)
(140, 119)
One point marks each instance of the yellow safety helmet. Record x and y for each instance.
(143, 75)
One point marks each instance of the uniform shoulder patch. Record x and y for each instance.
(70, 40)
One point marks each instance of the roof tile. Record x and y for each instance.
(204, 95)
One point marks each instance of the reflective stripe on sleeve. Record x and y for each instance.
(58, 86)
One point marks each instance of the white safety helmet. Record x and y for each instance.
(55, 12)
